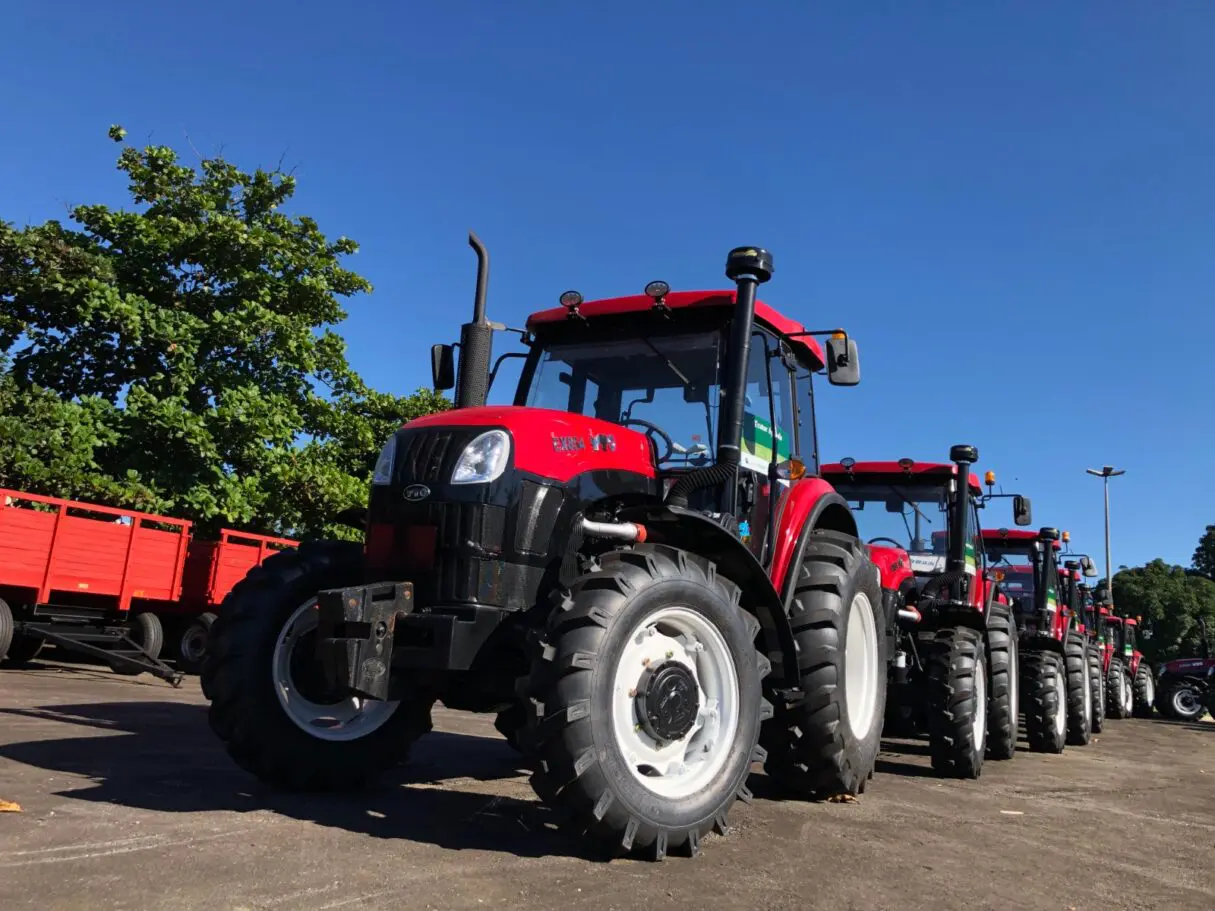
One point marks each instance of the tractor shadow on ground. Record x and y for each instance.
(1198, 725)
(162, 756)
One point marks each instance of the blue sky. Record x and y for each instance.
(1006, 203)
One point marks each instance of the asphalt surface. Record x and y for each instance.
(128, 802)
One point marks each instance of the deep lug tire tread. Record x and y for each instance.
(570, 774)
(1143, 679)
(245, 712)
(1097, 683)
(1113, 690)
(811, 749)
(1079, 722)
(1040, 700)
(1004, 673)
(954, 657)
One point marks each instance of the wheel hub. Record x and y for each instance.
(668, 701)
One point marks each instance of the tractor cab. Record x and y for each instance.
(906, 512)
(1025, 566)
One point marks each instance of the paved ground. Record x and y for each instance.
(129, 803)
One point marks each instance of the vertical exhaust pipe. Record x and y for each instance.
(961, 545)
(476, 339)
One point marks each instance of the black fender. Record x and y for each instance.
(697, 533)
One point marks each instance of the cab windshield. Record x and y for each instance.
(1018, 587)
(669, 382)
(914, 515)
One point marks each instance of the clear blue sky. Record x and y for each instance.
(1007, 204)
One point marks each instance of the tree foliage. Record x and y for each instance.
(1170, 599)
(1204, 553)
(180, 356)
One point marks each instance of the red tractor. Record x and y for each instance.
(952, 639)
(1187, 685)
(1130, 684)
(1056, 688)
(646, 613)
(1094, 628)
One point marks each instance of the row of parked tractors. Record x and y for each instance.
(645, 572)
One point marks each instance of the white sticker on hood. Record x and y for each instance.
(927, 563)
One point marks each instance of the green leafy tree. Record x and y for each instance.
(1171, 600)
(180, 355)
(1204, 554)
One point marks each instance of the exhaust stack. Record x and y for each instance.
(476, 339)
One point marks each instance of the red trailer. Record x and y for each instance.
(106, 581)
(212, 568)
(89, 578)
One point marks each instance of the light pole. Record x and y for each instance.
(1107, 472)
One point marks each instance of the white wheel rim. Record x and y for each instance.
(345, 720)
(1061, 702)
(194, 644)
(1128, 697)
(1149, 689)
(681, 767)
(978, 724)
(1185, 701)
(1014, 682)
(860, 667)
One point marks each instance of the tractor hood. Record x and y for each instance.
(1189, 666)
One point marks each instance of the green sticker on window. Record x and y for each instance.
(758, 440)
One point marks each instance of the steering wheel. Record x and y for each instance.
(655, 430)
(897, 544)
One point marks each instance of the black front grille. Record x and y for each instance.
(428, 455)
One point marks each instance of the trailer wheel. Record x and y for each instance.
(1097, 685)
(1119, 699)
(1079, 690)
(1003, 664)
(957, 699)
(1045, 699)
(270, 705)
(646, 702)
(145, 631)
(826, 741)
(1145, 691)
(6, 628)
(193, 645)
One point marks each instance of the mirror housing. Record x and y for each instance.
(1089, 567)
(843, 362)
(1023, 513)
(443, 367)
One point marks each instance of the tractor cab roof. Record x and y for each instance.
(896, 472)
(805, 347)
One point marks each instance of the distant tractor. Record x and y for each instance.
(1129, 680)
(635, 567)
(1089, 620)
(1186, 686)
(1057, 695)
(951, 635)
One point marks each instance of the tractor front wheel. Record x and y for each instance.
(1079, 690)
(1182, 700)
(1044, 679)
(1144, 691)
(646, 702)
(957, 701)
(271, 705)
(1097, 685)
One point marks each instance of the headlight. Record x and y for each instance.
(484, 459)
(383, 465)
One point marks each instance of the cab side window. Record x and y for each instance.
(767, 431)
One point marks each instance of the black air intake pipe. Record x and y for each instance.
(748, 268)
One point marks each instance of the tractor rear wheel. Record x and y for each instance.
(646, 701)
(1004, 670)
(1044, 679)
(826, 741)
(1079, 690)
(1097, 685)
(1144, 691)
(957, 701)
(270, 703)
(1182, 700)
(1119, 700)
